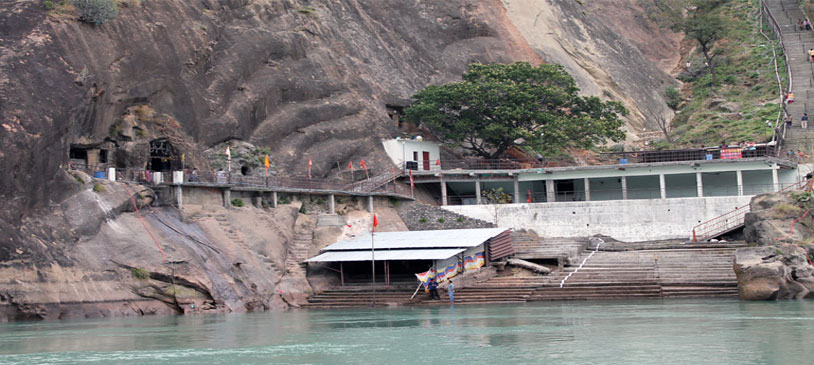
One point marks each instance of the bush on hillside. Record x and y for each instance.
(95, 11)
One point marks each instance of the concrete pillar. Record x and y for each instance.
(739, 174)
(179, 197)
(587, 189)
(623, 180)
(775, 180)
(477, 192)
(331, 204)
(662, 186)
(370, 203)
(516, 190)
(274, 199)
(550, 194)
(699, 184)
(257, 200)
(227, 197)
(443, 192)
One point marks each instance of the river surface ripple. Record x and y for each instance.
(702, 331)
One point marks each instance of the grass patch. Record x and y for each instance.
(238, 203)
(459, 219)
(99, 188)
(441, 220)
(786, 210)
(140, 274)
(285, 199)
(746, 80)
(422, 220)
(303, 210)
(79, 179)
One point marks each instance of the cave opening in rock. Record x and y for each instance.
(163, 156)
(245, 170)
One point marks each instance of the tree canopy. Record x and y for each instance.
(498, 106)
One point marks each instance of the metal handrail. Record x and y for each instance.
(729, 220)
(776, 29)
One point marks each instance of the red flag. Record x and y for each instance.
(309, 163)
(350, 165)
(375, 222)
(438, 162)
(362, 163)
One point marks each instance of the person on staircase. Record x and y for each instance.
(432, 285)
(800, 25)
(811, 55)
(804, 121)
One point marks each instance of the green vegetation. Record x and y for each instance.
(303, 210)
(735, 103)
(339, 200)
(422, 220)
(782, 211)
(307, 10)
(95, 11)
(284, 199)
(496, 196)
(441, 220)
(48, 5)
(497, 106)
(238, 203)
(459, 219)
(673, 97)
(98, 188)
(140, 274)
(79, 179)
(394, 202)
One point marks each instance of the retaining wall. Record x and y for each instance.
(625, 220)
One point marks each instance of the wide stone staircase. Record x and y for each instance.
(797, 43)
(563, 251)
(361, 295)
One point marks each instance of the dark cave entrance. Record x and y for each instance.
(163, 156)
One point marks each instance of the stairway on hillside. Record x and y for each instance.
(300, 245)
(797, 44)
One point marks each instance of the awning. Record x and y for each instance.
(386, 255)
(446, 238)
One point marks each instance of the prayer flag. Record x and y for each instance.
(375, 222)
(267, 162)
(350, 165)
(362, 163)
(228, 154)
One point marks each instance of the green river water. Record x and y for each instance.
(704, 331)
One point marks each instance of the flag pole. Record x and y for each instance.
(373, 261)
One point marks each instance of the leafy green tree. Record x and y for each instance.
(698, 20)
(499, 106)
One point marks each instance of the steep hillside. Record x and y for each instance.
(298, 79)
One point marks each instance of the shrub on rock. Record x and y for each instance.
(95, 11)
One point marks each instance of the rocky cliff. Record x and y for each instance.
(781, 227)
(301, 79)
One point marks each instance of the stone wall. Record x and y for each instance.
(422, 217)
(625, 220)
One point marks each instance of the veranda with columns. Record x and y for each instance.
(661, 180)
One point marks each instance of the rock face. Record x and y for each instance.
(296, 78)
(780, 266)
(773, 272)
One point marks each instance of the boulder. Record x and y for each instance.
(773, 272)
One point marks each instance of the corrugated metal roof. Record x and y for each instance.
(386, 255)
(447, 238)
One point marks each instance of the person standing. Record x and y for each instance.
(788, 121)
(804, 121)
(451, 292)
(432, 285)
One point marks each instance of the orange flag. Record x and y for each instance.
(267, 162)
(362, 163)
(375, 222)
